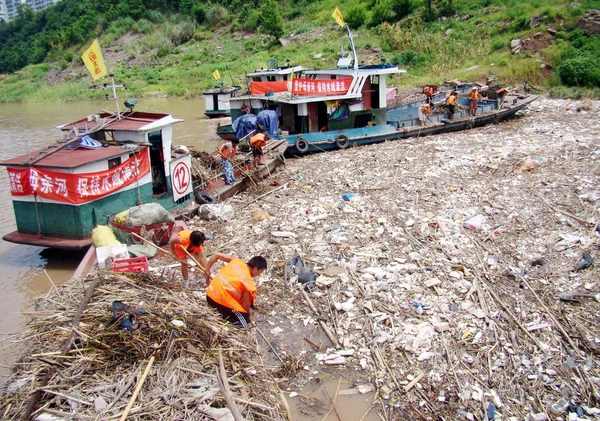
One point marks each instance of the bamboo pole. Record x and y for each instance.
(150, 243)
(224, 385)
(138, 387)
(321, 322)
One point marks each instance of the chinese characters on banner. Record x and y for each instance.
(321, 87)
(93, 60)
(77, 188)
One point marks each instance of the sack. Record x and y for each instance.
(295, 267)
(147, 214)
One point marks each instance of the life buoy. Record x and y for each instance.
(342, 141)
(301, 145)
(203, 198)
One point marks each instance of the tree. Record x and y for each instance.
(270, 20)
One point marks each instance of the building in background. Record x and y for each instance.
(9, 8)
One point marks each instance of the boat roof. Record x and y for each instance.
(135, 121)
(360, 75)
(377, 69)
(277, 71)
(222, 90)
(66, 158)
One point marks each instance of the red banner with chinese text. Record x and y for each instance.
(263, 88)
(321, 87)
(77, 188)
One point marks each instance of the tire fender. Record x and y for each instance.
(203, 198)
(342, 141)
(301, 144)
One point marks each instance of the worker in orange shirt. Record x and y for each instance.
(451, 101)
(193, 242)
(473, 98)
(257, 142)
(232, 291)
(424, 111)
(501, 94)
(227, 152)
(428, 91)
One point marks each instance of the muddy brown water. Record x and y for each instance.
(28, 272)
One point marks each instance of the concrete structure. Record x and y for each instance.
(8, 8)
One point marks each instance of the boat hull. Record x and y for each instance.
(409, 127)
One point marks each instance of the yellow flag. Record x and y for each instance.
(337, 15)
(93, 60)
(216, 74)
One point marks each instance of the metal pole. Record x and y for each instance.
(114, 89)
(353, 48)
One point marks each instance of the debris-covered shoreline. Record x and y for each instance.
(455, 274)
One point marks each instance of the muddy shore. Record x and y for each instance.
(455, 279)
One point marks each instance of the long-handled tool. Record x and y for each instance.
(268, 343)
(194, 260)
(150, 243)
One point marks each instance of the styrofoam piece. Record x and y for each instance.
(115, 251)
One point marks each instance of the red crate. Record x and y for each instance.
(134, 264)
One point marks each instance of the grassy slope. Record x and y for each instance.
(473, 45)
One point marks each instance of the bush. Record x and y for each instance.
(162, 52)
(155, 16)
(356, 17)
(579, 71)
(216, 14)
(410, 58)
(497, 44)
(270, 20)
(249, 16)
(402, 8)
(382, 12)
(199, 13)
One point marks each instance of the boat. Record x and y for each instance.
(357, 114)
(216, 190)
(348, 105)
(217, 100)
(108, 162)
(260, 82)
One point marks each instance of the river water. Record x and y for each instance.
(28, 272)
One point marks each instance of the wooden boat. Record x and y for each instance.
(246, 174)
(114, 161)
(217, 101)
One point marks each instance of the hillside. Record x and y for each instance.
(173, 51)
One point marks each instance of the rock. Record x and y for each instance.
(590, 22)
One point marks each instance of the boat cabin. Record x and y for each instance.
(106, 164)
(217, 100)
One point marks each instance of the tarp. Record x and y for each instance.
(244, 125)
(268, 120)
(263, 88)
(77, 188)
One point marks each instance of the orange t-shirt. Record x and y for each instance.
(230, 284)
(258, 140)
(228, 150)
(452, 100)
(185, 243)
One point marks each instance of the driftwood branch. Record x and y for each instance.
(321, 322)
(224, 385)
(138, 387)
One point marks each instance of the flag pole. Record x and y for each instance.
(114, 89)
(353, 48)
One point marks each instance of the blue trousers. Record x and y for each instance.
(228, 170)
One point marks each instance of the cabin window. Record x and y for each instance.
(115, 162)
(157, 166)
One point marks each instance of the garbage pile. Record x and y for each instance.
(451, 277)
(455, 272)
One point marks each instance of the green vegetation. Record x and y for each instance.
(172, 47)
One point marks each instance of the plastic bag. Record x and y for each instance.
(147, 214)
(103, 236)
(295, 267)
